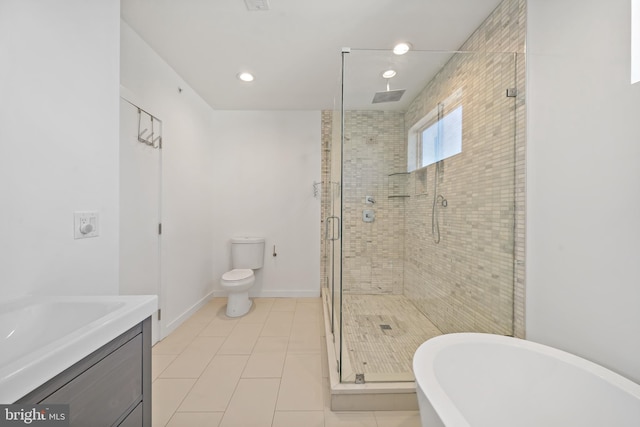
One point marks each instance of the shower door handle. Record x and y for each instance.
(326, 228)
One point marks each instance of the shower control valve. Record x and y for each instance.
(368, 215)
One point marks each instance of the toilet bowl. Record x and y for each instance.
(237, 283)
(247, 254)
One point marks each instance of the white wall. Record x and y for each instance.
(227, 173)
(265, 166)
(58, 145)
(187, 188)
(583, 189)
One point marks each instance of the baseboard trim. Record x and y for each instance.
(171, 326)
(275, 294)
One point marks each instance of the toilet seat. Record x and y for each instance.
(237, 277)
(237, 274)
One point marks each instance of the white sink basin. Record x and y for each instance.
(42, 336)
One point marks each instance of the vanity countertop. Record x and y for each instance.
(41, 336)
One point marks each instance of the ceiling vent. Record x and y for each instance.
(257, 4)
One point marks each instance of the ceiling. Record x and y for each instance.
(294, 48)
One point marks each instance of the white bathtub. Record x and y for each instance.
(479, 380)
(42, 336)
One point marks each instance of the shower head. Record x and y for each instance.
(387, 96)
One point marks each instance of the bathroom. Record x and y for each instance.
(59, 123)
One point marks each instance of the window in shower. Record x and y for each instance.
(441, 139)
(436, 136)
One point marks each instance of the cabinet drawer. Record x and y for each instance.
(134, 419)
(105, 391)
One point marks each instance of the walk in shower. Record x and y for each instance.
(421, 204)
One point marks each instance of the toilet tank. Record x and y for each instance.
(247, 252)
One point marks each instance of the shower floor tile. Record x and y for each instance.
(382, 332)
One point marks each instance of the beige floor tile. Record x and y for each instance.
(278, 324)
(166, 397)
(195, 323)
(304, 338)
(307, 313)
(266, 301)
(398, 418)
(213, 390)
(271, 345)
(252, 404)
(219, 327)
(242, 339)
(272, 359)
(196, 419)
(301, 386)
(309, 327)
(264, 365)
(309, 300)
(192, 361)
(159, 363)
(326, 393)
(259, 311)
(298, 419)
(349, 419)
(284, 304)
(177, 340)
(208, 312)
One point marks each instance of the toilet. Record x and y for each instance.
(247, 254)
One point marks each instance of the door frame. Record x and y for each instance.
(158, 321)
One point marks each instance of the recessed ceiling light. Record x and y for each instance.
(388, 74)
(402, 48)
(257, 4)
(246, 77)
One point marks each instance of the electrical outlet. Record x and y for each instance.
(85, 224)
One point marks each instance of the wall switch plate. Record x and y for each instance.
(85, 224)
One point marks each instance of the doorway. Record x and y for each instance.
(140, 204)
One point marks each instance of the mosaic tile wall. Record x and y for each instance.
(373, 253)
(325, 190)
(466, 282)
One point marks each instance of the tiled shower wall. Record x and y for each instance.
(473, 280)
(373, 254)
(324, 191)
(374, 152)
(466, 282)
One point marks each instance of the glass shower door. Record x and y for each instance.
(427, 205)
(331, 223)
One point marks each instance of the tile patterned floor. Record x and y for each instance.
(374, 350)
(267, 368)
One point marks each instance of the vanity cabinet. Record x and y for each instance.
(110, 387)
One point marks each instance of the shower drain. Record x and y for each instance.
(385, 327)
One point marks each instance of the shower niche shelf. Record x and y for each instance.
(420, 181)
(398, 185)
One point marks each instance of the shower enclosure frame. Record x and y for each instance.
(335, 232)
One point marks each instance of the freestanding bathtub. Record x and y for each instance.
(478, 380)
